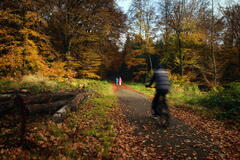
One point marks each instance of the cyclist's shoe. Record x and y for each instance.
(154, 116)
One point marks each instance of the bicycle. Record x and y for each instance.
(162, 111)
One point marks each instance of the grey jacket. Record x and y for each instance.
(161, 79)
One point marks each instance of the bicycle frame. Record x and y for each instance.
(163, 112)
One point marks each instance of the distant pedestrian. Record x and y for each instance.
(120, 81)
(116, 80)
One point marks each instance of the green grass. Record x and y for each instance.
(36, 84)
(6, 84)
(101, 105)
(100, 125)
(141, 87)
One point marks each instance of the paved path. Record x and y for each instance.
(178, 141)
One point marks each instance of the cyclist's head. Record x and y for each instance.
(160, 66)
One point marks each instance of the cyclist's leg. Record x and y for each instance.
(164, 108)
(163, 100)
(155, 102)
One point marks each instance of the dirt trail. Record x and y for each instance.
(178, 141)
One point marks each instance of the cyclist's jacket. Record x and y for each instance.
(161, 79)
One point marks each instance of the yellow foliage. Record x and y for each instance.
(89, 64)
(57, 69)
(33, 15)
(88, 74)
(192, 33)
(33, 59)
(25, 50)
(196, 38)
(26, 31)
(12, 60)
(12, 18)
(178, 78)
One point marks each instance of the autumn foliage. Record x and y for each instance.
(68, 40)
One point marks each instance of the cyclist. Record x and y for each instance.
(160, 77)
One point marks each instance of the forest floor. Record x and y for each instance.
(115, 124)
(189, 136)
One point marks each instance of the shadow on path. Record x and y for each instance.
(178, 141)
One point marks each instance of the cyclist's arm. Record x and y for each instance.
(151, 82)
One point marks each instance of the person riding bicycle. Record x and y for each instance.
(160, 77)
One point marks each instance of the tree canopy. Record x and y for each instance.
(198, 39)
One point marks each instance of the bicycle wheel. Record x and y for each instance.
(164, 114)
(165, 117)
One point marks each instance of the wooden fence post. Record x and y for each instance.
(23, 111)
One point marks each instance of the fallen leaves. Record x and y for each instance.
(228, 140)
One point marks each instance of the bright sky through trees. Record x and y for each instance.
(124, 4)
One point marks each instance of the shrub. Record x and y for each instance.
(227, 99)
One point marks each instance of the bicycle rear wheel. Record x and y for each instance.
(165, 118)
(163, 113)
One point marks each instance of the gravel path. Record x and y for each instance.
(178, 141)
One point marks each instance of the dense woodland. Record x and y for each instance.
(59, 38)
(56, 59)
(196, 40)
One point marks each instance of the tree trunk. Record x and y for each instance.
(238, 70)
(180, 53)
(212, 49)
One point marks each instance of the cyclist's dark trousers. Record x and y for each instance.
(159, 93)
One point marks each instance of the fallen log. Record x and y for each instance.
(46, 102)
(47, 108)
(6, 97)
(6, 106)
(71, 106)
(50, 97)
(10, 95)
(8, 91)
(7, 100)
